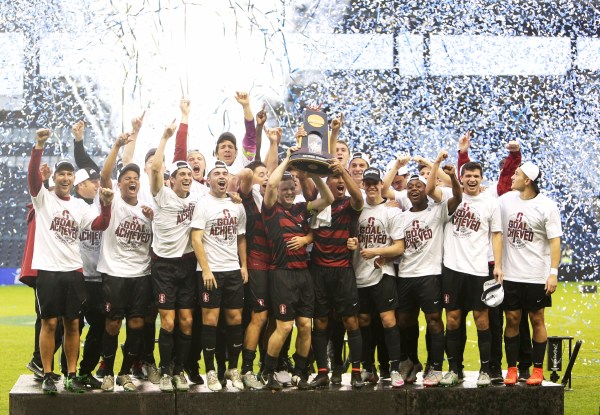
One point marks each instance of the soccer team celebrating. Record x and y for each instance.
(233, 254)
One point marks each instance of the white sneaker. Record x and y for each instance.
(166, 383)
(433, 378)
(108, 384)
(126, 382)
(236, 379)
(212, 381)
(396, 379)
(483, 380)
(151, 372)
(251, 381)
(181, 383)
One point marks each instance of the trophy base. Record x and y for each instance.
(311, 162)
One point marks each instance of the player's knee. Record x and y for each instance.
(350, 323)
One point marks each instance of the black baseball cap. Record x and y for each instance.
(372, 173)
(64, 165)
(129, 167)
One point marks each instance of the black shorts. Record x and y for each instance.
(94, 304)
(256, 292)
(525, 296)
(292, 293)
(126, 297)
(60, 294)
(423, 293)
(229, 293)
(335, 289)
(174, 282)
(380, 297)
(462, 291)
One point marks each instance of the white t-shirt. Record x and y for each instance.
(423, 234)
(378, 226)
(171, 225)
(145, 193)
(125, 250)
(467, 235)
(58, 224)
(527, 226)
(89, 245)
(198, 189)
(222, 221)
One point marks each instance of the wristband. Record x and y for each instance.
(553, 271)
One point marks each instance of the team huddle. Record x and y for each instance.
(232, 253)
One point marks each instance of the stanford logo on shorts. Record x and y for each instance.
(446, 298)
(205, 297)
(261, 302)
(107, 307)
(282, 309)
(162, 298)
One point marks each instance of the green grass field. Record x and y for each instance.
(573, 314)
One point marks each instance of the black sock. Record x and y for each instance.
(484, 341)
(539, 350)
(299, 364)
(412, 343)
(131, 349)
(511, 348)
(235, 338)
(109, 350)
(182, 351)
(403, 343)
(392, 342)
(270, 364)
(337, 341)
(148, 342)
(319, 345)
(165, 350)
(209, 345)
(355, 344)
(221, 346)
(437, 350)
(367, 351)
(452, 346)
(248, 357)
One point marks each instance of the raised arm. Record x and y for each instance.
(249, 141)
(336, 125)
(387, 191)
(456, 198)
(34, 177)
(433, 191)
(274, 136)
(464, 142)
(111, 159)
(356, 198)
(129, 149)
(156, 175)
(182, 132)
(510, 166)
(272, 189)
(261, 119)
(442, 176)
(326, 198)
(82, 158)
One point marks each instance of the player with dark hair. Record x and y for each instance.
(531, 255)
(291, 287)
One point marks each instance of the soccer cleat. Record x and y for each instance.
(213, 382)
(320, 381)
(461, 376)
(369, 377)
(180, 383)
(511, 376)
(356, 380)
(524, 374)
(193, 376)
(483, 380)
(284, 377)
(272, 383)
(36, 369)
(396, 379)
(496, 375)
(90, 381)
(384, 373)
(236, 379)
(166, 384)
(412, 375)
(406, 366)
(48, 386)
(433, 378)
(151, 373)
(536, 377)
(137, 370)
(300, 382)
(126, 382)
(108, 384)
(101, 369)
(449, 379)
(336, 375)
(74, 385)
(251, 381)
(426, 370)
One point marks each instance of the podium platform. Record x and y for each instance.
(26, 397)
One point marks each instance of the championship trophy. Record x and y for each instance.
(313, 155)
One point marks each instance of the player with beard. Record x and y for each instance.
(218, 237)
(466, 242)
(333, 276)
(291, 288)
(174, 268)
(419, 272)
(125, 266)
(60, 284)
(531, 255)
(253, 183)
(378, 236)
